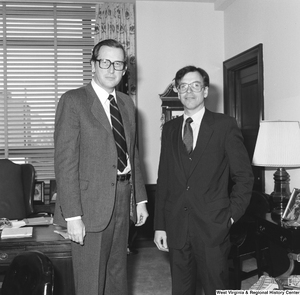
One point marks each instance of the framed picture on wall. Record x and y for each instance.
(53, 190)
(39, 192)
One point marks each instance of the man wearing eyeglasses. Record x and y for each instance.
(99, 182)
(200, 152)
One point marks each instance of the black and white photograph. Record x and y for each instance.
(53, 190)
(39, 192)
(292, 210)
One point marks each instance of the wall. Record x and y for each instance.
(171, 35)
(275, 24)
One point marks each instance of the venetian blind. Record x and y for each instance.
(45, 50)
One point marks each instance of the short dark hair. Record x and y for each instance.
(109, 43)
(182, 72)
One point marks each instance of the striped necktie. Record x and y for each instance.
(188, 135)
(119, 134)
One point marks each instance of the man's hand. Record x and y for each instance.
(160, 240)
(76, 230)
(142, 214)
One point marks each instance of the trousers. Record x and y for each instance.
(100, 265)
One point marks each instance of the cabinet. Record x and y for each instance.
(283, 244)
(171, 105)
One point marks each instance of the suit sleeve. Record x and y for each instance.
(140, 191)
(240, 171)
(66, 157)
(161, 188)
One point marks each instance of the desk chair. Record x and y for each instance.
(243, 239)
(30, 273)
(17, 184)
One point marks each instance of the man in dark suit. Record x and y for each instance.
(99, 182)
(200, 152)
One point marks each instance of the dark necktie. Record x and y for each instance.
(119, 134)
(188, 135)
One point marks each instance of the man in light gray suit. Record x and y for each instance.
(96, 194)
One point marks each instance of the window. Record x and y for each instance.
(45, 50)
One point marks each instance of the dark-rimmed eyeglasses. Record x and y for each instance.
(106, 63)
(195, 87)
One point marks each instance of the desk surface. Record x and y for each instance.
(41, 233)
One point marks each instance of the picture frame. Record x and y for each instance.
(39, 192)
(53, 190)
(292, 210)
(176, 113)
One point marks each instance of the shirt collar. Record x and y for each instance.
(197, 118)
(101, 93)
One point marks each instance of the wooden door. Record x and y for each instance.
(243, 99)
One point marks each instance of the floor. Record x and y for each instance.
(149, 272)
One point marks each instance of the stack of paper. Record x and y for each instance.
(22, 232)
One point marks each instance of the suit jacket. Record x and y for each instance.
(200, 200)
(86, 158)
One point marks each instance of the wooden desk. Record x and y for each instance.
(288, 238)
(53, 245)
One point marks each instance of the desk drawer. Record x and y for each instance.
(48, 249)
(7, 255)
(288, 238)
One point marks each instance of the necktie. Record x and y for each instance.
(119, 134)
(188, 135)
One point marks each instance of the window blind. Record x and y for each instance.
(45, 50)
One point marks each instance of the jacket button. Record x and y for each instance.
(187, 188)
(112, 184)
(185, 208)
(114, 166)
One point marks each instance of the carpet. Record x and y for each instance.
(149, 272)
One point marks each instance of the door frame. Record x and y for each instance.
(245, 59)
(231, 69)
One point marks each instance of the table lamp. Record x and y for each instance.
(278, 146)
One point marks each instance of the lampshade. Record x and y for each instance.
(277, 144)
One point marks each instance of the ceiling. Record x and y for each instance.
(219, 4)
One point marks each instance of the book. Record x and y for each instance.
(22, 232)
(39, 221)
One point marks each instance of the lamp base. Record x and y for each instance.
(281, 194)
(277, 212)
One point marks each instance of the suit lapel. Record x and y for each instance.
(99, 113)
(97, 108)
(176, 142)
(204, 137)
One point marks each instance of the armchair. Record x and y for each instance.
(30, 273)
(17, 183)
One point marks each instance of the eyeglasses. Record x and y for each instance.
(106, 63)
(195, 86)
